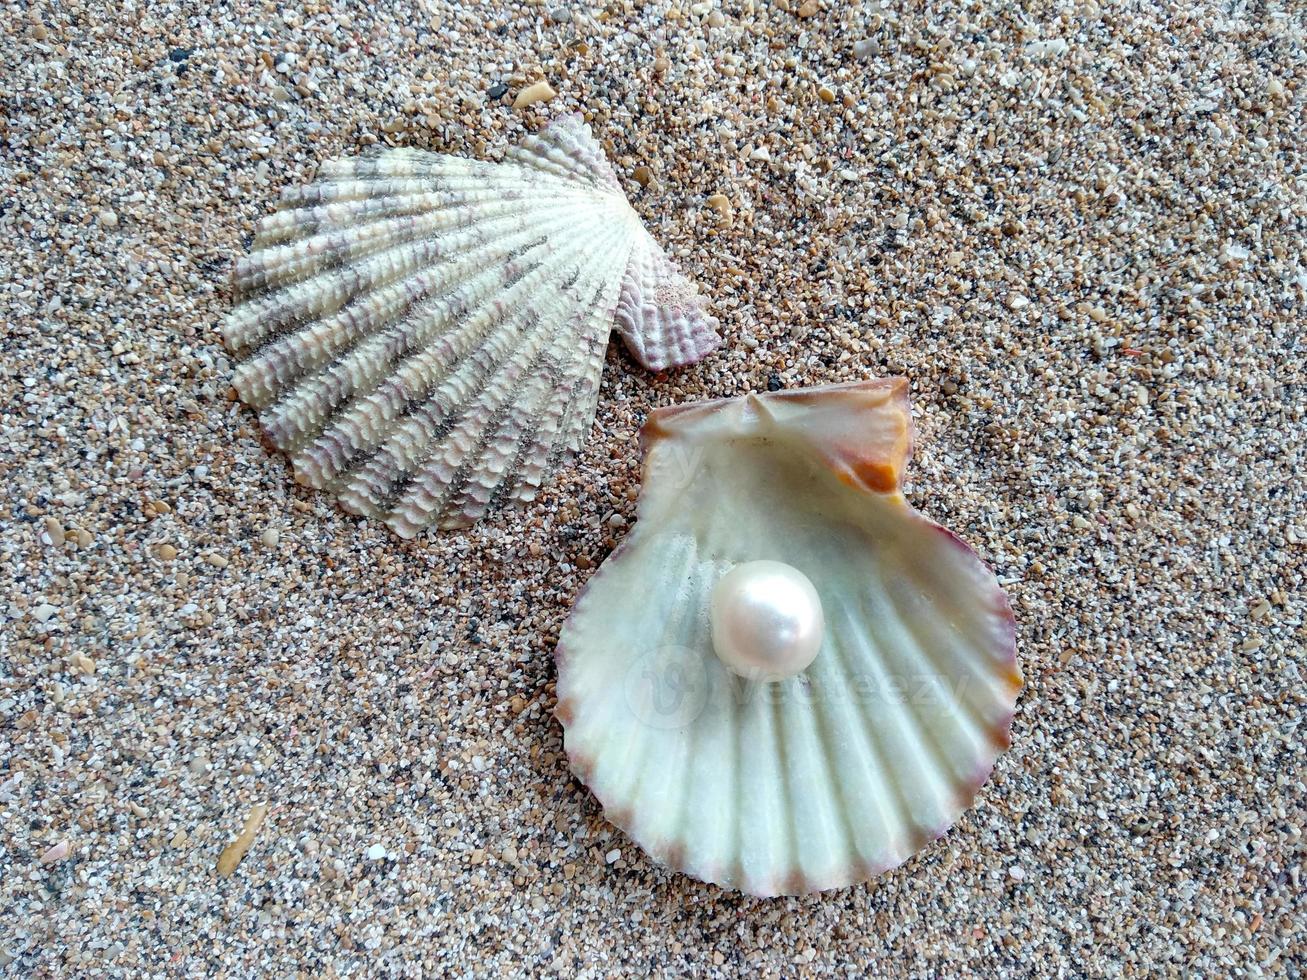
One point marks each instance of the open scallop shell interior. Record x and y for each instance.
(847, 769)
(423, 334)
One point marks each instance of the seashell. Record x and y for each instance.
(423, 334)
(769, 777)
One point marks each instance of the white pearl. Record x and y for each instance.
(767, 622)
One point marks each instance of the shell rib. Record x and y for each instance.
(844, 771)
(423, 335)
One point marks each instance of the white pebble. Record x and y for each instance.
(376, 852)
(1047, 49)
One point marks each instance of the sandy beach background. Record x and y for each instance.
(1078, 229)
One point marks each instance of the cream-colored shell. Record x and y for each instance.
(836, 775)
(423, 334)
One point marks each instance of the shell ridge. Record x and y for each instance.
(880, 615)
(895, 812)
(326, 273)
(874, 757)
(461, 373)
(326, 207)
(993, 623)
(576, 421)
(543, 375)
(963, 660)
(394, 392)
(826, 726)
(673, 630)
(543, 455)
(577, 412)
(567, 149)
(280, 311)
(791, 846)
(426, 490)
(842, 838)
(659, 313)
(678, 768)
(401, 311)
(711, 828)
(562, 339)
(536, 442)
(905, 750)
(266, 272)
(609, 764)
(978, 624)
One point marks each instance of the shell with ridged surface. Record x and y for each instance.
(423, 334)
(838, 773)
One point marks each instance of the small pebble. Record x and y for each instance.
(529, 96)
(722, 205)
(234, 852)
(56, 853)
(376, 852)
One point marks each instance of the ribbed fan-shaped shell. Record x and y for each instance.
(840, 773)
(423, 334)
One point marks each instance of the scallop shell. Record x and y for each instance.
(423, 334)
(837, 774)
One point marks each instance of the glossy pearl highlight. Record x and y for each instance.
(767, 621)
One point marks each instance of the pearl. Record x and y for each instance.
(767, 621)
